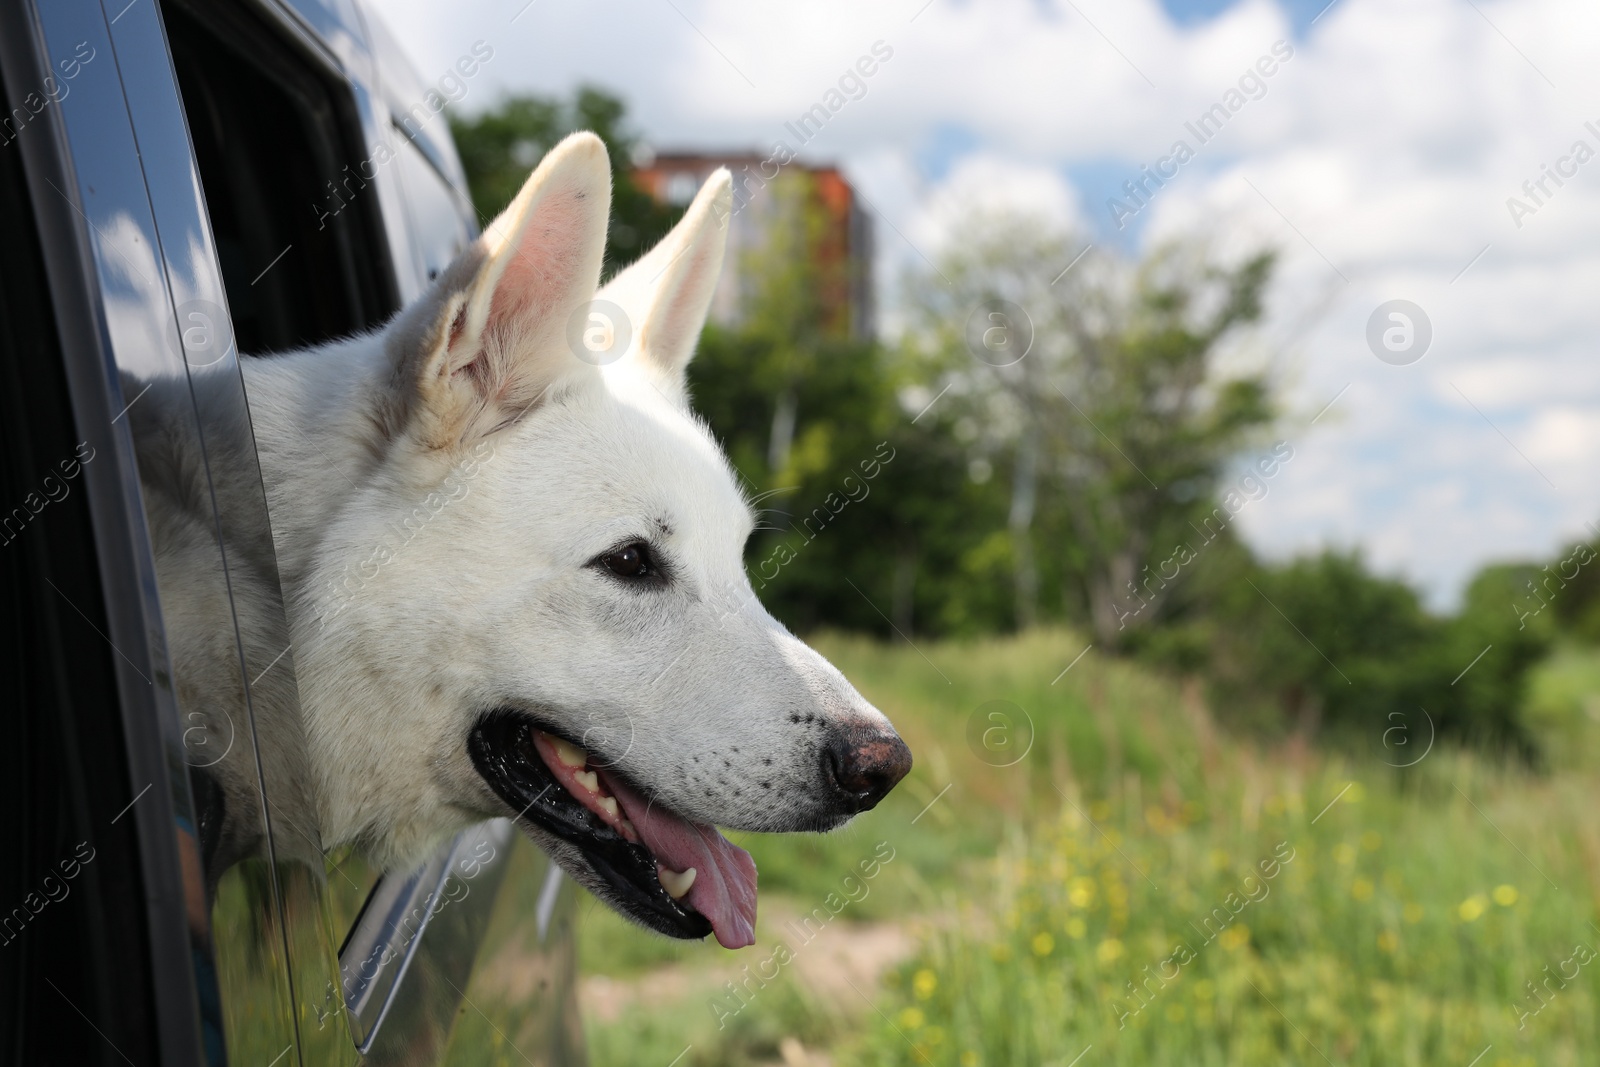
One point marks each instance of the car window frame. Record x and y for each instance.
(32, 36)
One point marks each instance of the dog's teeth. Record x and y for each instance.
(674, 882)
(569, 753)
(589, 780)
(627, 829)
(610, 804)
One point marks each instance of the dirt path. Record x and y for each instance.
(838, 955)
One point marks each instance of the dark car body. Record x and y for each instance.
(180, 182)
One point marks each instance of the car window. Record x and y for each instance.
(279, 150)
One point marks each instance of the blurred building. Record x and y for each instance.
(769, 214)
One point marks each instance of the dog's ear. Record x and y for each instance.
(489, 340)
(668, 292)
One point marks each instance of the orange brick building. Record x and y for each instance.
(763, 201)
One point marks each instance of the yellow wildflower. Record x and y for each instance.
(1235, 936)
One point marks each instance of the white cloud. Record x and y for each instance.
(983, 184)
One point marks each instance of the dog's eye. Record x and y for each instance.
(630, 561)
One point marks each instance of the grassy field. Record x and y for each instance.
(1084, 869)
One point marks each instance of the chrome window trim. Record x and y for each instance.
(390, 933)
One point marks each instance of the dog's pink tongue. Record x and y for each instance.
(724, 889)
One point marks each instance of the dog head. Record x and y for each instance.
(566, 634)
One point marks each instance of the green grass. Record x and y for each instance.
(1415, 908)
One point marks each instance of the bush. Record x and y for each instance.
(1321, 643)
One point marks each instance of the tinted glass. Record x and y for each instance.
(302, 255)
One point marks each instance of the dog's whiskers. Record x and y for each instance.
(759, 497)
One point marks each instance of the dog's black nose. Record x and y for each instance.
(864, 762)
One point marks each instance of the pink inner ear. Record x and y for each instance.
(542, 266)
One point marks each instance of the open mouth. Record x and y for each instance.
(679, 877)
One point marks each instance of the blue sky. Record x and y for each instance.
(1188, 12)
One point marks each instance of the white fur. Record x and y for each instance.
(544, 463)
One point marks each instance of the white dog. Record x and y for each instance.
(515, 578)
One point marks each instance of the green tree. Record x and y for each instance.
(1106, 393)
(501, 146)
(1570, 585)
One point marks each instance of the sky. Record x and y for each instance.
(1385, 158)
